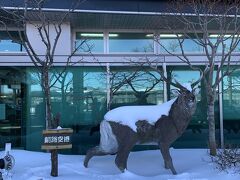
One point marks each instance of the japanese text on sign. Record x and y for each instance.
(57, 139)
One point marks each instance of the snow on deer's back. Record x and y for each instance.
(129, 115)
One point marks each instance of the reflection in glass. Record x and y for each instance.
(79, 96)
(171, 44)
(35, 106)
(231, 108)
(131, 42)
(89, 42)
(9, 46)
(11, 98)
(226, 43)
(9, 41)
(144, 87)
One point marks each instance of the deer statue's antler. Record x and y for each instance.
(199, 80)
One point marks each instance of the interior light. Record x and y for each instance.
(91, 35)
(149, 35)
(217, 35)
(113, 35)
(11, 127)
(97, 35)
(170, 35)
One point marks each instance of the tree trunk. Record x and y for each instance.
(50, 123)
(49, 110)
(47, 100)
(54, 160)
(64, 94)
(211, 125)
(64, 101)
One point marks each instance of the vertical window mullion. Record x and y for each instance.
(164, 83)
(108, 84)
(155, 44)
(220, 97)
(106, 42)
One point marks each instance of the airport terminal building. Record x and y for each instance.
(117, 31)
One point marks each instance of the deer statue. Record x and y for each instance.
(125, 126)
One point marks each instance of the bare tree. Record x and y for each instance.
(213, 26)
(49, 29)
(150, 80)
(117, 80)
(135, 77)
(64, 85)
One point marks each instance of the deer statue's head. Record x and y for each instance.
(187, 95)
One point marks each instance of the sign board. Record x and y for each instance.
(57, 139)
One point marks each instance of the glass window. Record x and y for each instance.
(12, 128)
(79, 96)
(231, 108)
(131, 42)
(35, 106)
(89, 42)
(226, 42)
(170, 43)
(8, 45)
(144, 87)
(196, 134)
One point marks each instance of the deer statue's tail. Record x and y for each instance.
(108, 143)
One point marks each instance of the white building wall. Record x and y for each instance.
(63, 45)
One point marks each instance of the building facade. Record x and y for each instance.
(116, 33)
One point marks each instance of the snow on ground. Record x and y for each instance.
(135, 113)
(145, 165)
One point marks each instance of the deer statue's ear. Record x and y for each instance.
(175, 92)
(196, 91)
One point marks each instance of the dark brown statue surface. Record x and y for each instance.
(119, 138)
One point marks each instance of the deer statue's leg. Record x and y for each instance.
(96, 151)
(165, 164)
(122, 155)
(167, 157)
(108, 143)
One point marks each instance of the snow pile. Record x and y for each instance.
(129, 115)
(146, 165)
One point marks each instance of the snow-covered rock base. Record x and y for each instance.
(189, 163)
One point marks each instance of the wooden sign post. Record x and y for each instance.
(54, 139)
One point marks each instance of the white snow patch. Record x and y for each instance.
(145, 165)
(129, 115)
(108, 141)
